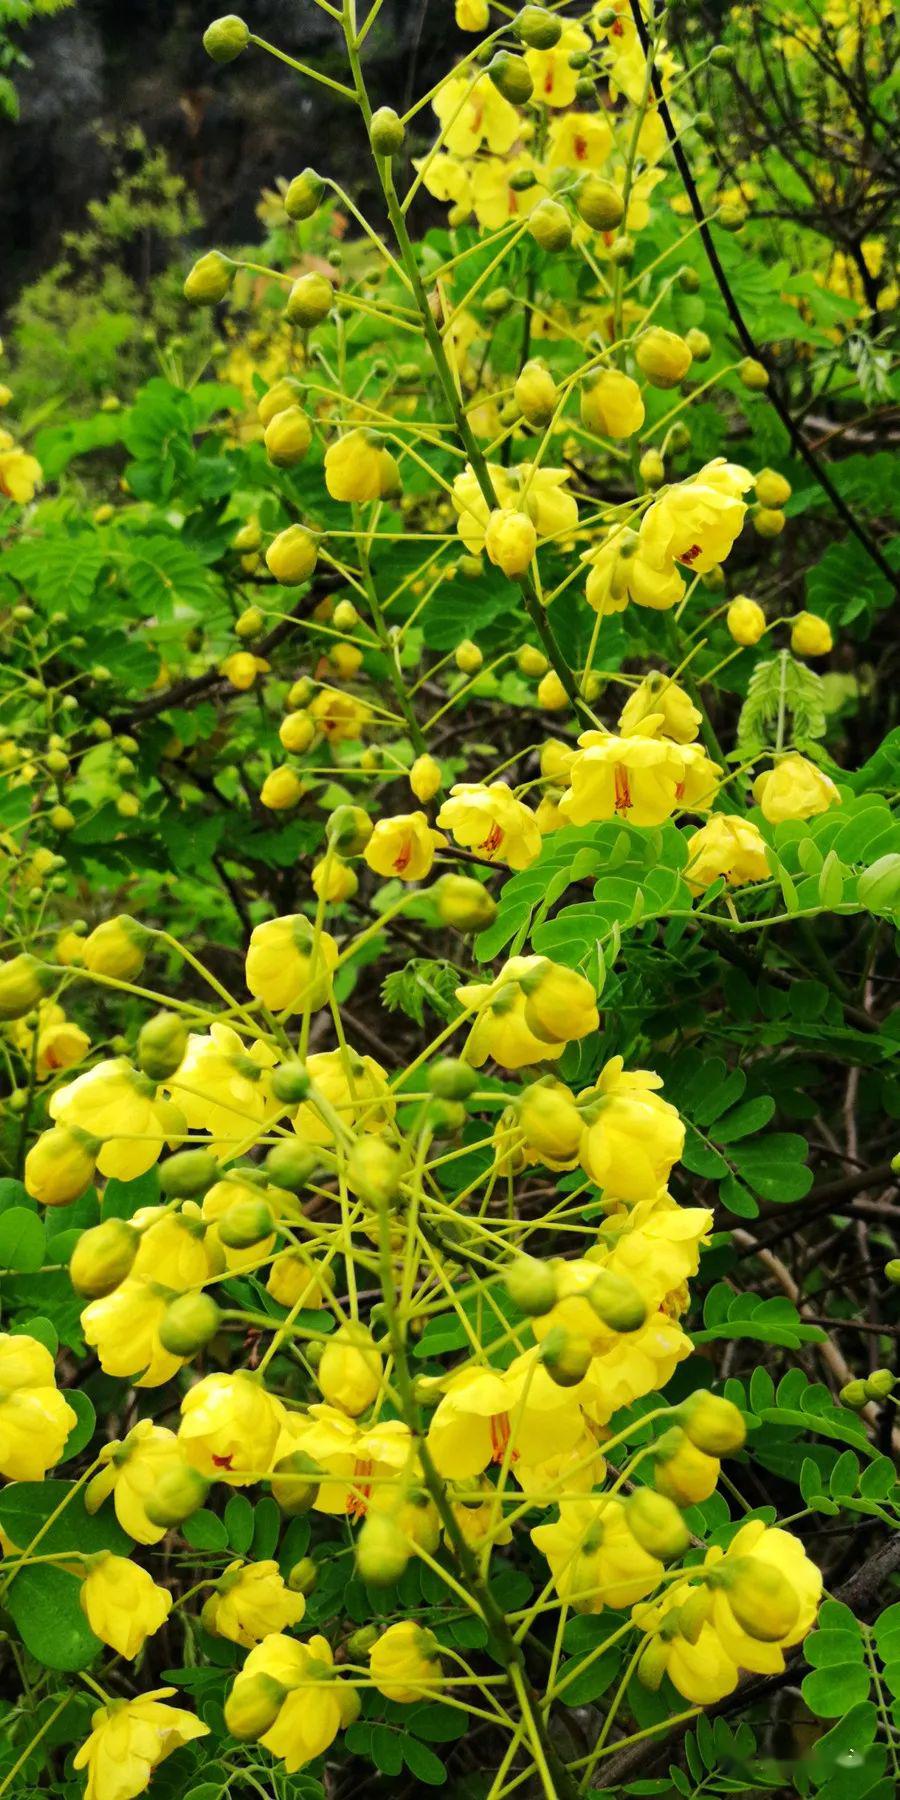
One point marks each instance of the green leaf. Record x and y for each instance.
(204, 1531)
(239, 1523)
(86, 1424)
(22, 1240)
(423, 1763)
(832, 1691)
(45, 1605)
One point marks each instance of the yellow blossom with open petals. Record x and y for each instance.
(122, 1603)
(128, 1741)
(795, 789)
(229, 1428)
(122, 1108)
(555, 81)
(632, 1136)
(578, 140)
(355, 1086)
(35, 1418)
(491, 821)
(133, 1471)
(339, 716)
(475, 114)
(288, 966)
(403, 847)
(594, 1559)
(249, 1601)
(489, 1416)
(726, 845)
(630, 778)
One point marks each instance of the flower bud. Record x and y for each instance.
(60, 1165)
(348, 829)
(511, 77)
(811, 635)
(161, 1045)
(498, 302)
(425, 777)
(374, 1171)
(102, 1257)
(752, 374)
(295, 1481)
(349, 1372)
(767, 521)
(293, 554)
(23, 983)
(853, 1395)
(309, 301)
(536, 393)
(387, 132)
(712, 1424)
(253, 1706)
(531, 1286)
(287, 438)
(652, 469)
(721, 56)
(531, 661)
(188, 1323)
(290, 1165)
(656, 1524)
(452, 1079)
(892, 1268)
(467, 657)
(382, 1551)
(463, 903)
(188, 1173)
(537, 28)
(303, 1576)
(699, 344)
(210, 279)
(681, 1471)
(290, 1082)
(662, 356)
(599, 203)
(225, 38)
(772, 489)
(510, 540)
(688, 279)
(285, 393)
(281, 789)
(617, 1302)
(550, 226)
(653, 1664)
(296, 732)
(304, 195)
(763, 1601)
(880, 1384)
(622, 251)
(565, 1356)
(731, 217)
(245, 1223)
(745, 620)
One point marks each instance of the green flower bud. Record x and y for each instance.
(382, 1551)
(892, 1271)
(712, 1424)
(225, 38)
(565, 1356)
(188, 1173)
(853, 1395)
(731, 217)
(309, 301)
(176, 1494)
(550, 226)
(652, 469)
(161, 1045)
(520, 181)
(699, 344)
(511, 77)
(599, 203)
(304, 195)
(753, 375)
(290, 1082)
(374, 1171)
(348, 829)
(253, 1706)
(705, 125)
(722, 56)
(622, 251)
(656, 1524)
(287, 438)
(452, 1079)
(102, 1257)
(245, 1223)
(210, 279)
(688, 279)
(387, 132)
(188, 1323)
(499, 302)
(531, 1286)
(880, 1384)
(617, 1302)
(537, 28)
(463, 903)
(290, 1165)
(303, 1576)
(295, 1481)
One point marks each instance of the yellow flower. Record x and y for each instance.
(123, 1328)
(117, 947)
(425, 777)
(281, 789)
(578, 140)
(663, 356)
(250, 1601)
(128, 1741)
(315, 1703)
(61, 1044)
(474, 114)
(286, 968)
(696, 522)
(362, 1464)
(493, 201)
(559, 1003)
(682, 1472)
(555, 81)
(403, 846)
(360, 1095)
(611, 404)
(60, 1165)
(745, 620)
(697, 1664)
(133, 1472)
(510, 540)
(404, 1663)
(229, 1428)
(632, 1136)
(241, 669)
(631, 778)
(542, 495)
(492, 822)
(20, 474)
(811, 635)
(472, 15)
(656, 1244)
(633, 1364)
(500, 1029)
(492, 1415)
(536, 392)
(339, 716)
(659, 697)
(594, 1559)
(551, 1123)
(219, 1084)
(350, 1371)
(794, 789)
(766, 1594)
(115, 1104)
(538, 493)
(293, 1283)
(446, 178)
(122, 1603)
(35, 1419)
(358, 467)
(332, 879)
(726, 845)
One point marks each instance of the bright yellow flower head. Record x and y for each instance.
(61, 1044)
(811, 635)
(116, 947)
(361, 1095)
(362, 1464)
(537, 493)
(251, 1600)
(766, 1594)
(35, 1419)
(492, 822)
(633, 1364)
(633, 1136)
(316, 1702)
(359, 467)
(403, 847)
(404, 1663)
(500, 1029)
(657, 1245)
(794, 789)
(128, 1741)
(492, 1416)
(559, 1002)
(510, 540)
(123, 1604)
(60, 1165)
(611, 404)
(242, 668)
(578, 140)
(695, 522)
(132, 1472)
(281, 969)
(479, 114)
(492, 200)
(123, 1328)
(594, 1559)
(350, 1371)
(555, 81)
(339, 716)
(631, 778)
(20, 474)
(114, 1103)
(472, 15)
(229, 1428)
(726, 845)
(220, 1084)
(658, 696)
(697, 1664)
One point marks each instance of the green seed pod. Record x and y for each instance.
(387, 132)
(537, 28)
(188, 1173)
(511, 77)
(304, 195)
(161, 1045)
(531, 1286)
(188, 1324)
(225, 38)
(210, 279)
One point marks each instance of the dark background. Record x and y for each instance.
(229, 130)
